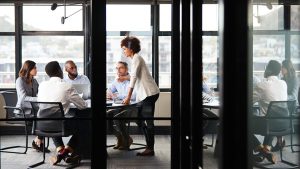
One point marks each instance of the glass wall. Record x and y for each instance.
(275, 36)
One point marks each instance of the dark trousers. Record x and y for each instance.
(59, 142)
(147, 108)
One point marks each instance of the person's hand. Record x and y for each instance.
(126, 100)
(122, 78)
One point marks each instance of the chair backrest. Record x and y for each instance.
(10, 98)
(279, 111)
(49, 127)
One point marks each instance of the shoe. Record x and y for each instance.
(147, 152)
(39, 148)
(127, 145)
(73, 159)
(61, 155)
(279, 145)
(258, 158)
(119, 142)
(268, 155)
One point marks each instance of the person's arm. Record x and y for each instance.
(22, 95)
(76, 99)
(127, 99)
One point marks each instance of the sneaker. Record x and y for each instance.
(39, 148)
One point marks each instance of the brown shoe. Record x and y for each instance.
(119, 142)
(146, 152)
(268, 155)
(127, 145)
(62, 154)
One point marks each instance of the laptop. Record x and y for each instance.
(83, 89)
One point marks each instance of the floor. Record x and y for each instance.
(118, 159)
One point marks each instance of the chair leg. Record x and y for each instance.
(292, 165)
(44, 157)
(293, 145)
(11, 147)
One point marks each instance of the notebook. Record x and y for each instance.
(83, 89)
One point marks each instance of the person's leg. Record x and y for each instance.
(148, 109)
(61, 154)
(38, 144)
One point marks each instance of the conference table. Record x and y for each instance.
(85, 127)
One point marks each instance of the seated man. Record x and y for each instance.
(57, 90)
(118, 91)
(80, 82)
(269, 89)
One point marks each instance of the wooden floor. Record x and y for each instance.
(117, 159)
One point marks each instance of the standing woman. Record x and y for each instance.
(147, 91)
(289, 76)
(27, 89)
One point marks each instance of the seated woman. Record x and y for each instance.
(27, 89)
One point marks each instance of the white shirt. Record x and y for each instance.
(57, 90)
(141, 79)
(269, 89)
(80, 79)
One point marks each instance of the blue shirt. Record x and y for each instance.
(122, 89)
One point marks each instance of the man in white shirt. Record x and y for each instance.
(57, 90)
(269, 89)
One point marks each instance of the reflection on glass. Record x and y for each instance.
(7, 18)
(266, 48)
(209, 61)
(43, 49)
(295, 53)
(164, 56)
(128, 18)
(115, 54)
(267, 19)
(42, 18)
(7, 62)
(165, 17)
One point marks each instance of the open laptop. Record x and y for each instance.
(83, 89)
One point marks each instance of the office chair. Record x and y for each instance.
(210, 122)
(10, 98)
(49, 128)
(277, 122)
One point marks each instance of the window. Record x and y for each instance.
(267, 19)
(7, 62)
(124, 18)
(7, 19)
(43, 49)
(34, 22)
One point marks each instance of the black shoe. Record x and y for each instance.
(258, 158)
(39, 148)
(278, 146)
(73, 159)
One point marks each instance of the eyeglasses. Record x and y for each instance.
(72, 67)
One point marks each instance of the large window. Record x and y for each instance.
(41, 37)
(124, 18)
(49, 48)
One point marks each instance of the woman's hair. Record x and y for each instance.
(273, 68)
(53, 69)
(132, 43)
(288, 65)
(25, 70)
